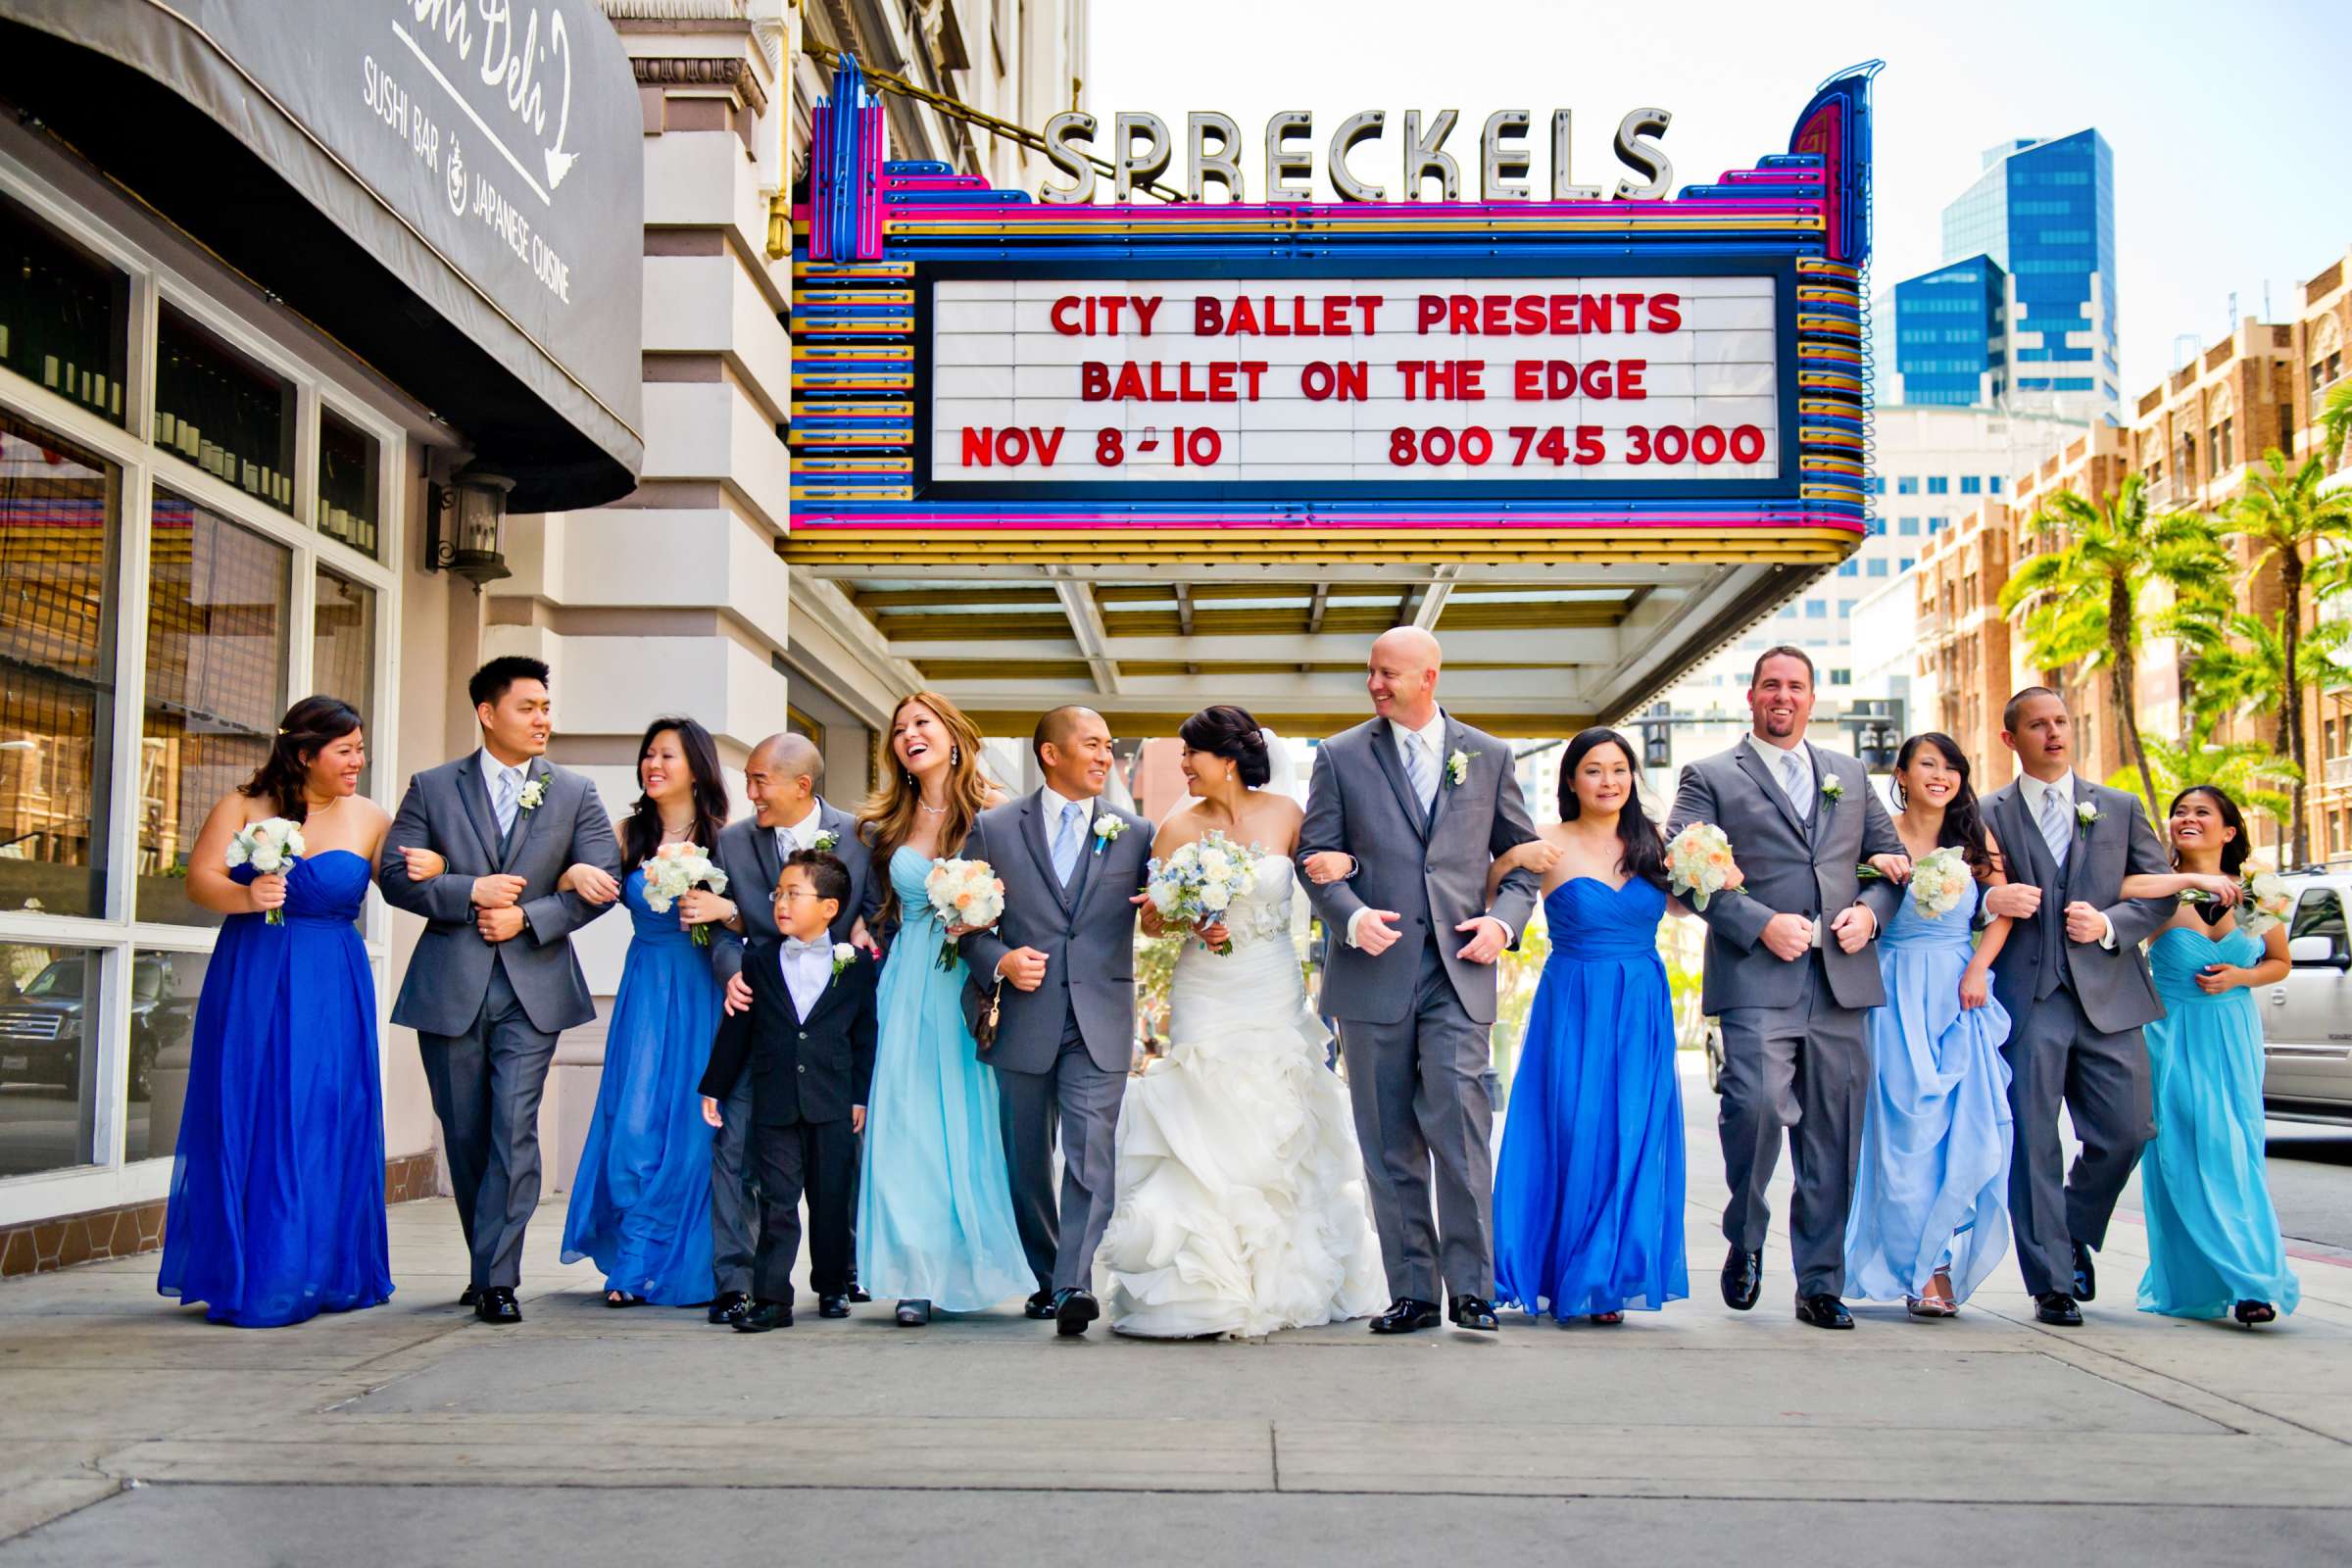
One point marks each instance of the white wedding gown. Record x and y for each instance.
(1241, 1189)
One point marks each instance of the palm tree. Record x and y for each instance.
(2335, 418)
(2248, 771)
(2077, 599)
(2282, 513)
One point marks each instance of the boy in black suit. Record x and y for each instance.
(809, 1044)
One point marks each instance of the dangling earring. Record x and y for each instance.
(956, 756)
(910, 784)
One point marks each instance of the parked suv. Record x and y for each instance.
(2307, 1017)
(43, 1026)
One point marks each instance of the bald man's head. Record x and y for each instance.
(1401, 674)
(781, 777)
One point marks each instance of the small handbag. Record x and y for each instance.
(984, 1027)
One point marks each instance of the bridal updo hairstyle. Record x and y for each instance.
(310, 727)
(1642, 852)
(1231, 733)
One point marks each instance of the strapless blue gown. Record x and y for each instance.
(277, 1192)
(935, 1206)
(1589, 1188)
(2213, 1237)
(1933, 1189)
(640, 1202)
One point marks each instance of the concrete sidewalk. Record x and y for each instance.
(132, 1432)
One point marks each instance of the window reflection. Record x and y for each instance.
(163, 987)
(343, 648)
(50, 1045)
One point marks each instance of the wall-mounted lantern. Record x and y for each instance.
(464, 526)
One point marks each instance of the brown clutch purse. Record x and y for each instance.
(984, 1027)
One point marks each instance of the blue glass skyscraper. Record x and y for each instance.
(2037, 231)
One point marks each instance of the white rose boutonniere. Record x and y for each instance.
(1107, 829)
(1831, 791)
(1458, 768)
(843, 957)
(2086, 813)
(825, 842)
(533, 794)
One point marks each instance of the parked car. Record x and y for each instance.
(43, 1026)
(2307, 1017)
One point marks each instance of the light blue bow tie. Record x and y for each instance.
(794, 945)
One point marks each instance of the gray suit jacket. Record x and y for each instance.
(1086, 933)
(747, 853)
(1790, 865)
(2111, 985)
(447, 809)
(1433, 873)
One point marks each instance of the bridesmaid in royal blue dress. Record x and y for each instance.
(934, 1225)
(640, 1202)
(1931, 1208)
(277, 1192)
(1589, 1186)
(2214, 1247)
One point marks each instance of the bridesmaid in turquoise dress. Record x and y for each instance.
(640, 1202)
(1589, 1183)
(1931, 1210)
(934, 1225)
(276, 1211)
(2214, 1246)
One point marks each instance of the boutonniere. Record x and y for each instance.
(1458, 768)
(1108, 828)
(533, 792)
(1831, 791)
(843, 957)
(825, 841)
(2086, 813)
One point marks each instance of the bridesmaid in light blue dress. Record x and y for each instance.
(934, 1225)
(2214, 1246)
(1931, 1208)
(640, 1202)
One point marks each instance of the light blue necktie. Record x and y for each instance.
(503, 803)
(1066, 842)
(2054, 825)
(1422, 770)
(1792, 783)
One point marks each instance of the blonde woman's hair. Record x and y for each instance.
(887, 820)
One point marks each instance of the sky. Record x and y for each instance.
(2227, 121)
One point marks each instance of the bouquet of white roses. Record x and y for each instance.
(271, 847)
(1699, 864)
(1196, 885)
(675, 870)
(963, 892)
(2267, 902)
(1939, 880)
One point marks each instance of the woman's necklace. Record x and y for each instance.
(935, 810)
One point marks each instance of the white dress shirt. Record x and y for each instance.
(1431, 735)
(1775, 758)
(2033, 792)
(1057, 806)
(794, 837)
(491, 770)
(808, 970)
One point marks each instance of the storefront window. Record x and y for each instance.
(217, 639)
(222, 413)
(58, 508)
(343, 648)
(64, 315)
(50, 1043)
(346, 488)
(164, 987)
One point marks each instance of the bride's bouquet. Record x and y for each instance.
(271, 847)
(1939, 880)
(963, 892)
(675, 870)
(1699, 864)
(1196, 885)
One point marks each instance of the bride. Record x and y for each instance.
(1240, 1205)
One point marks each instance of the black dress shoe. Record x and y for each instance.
(913, 1314)
(1407, 1314)
(1473, 1312)
(469, 1296)
(857, 1294)
(1742, 1278)
(496, 1304)
(1823, 1312)
(760, 1316)
(1039, 1307)
(725, 1303)
(2058, 1309)
(2086, 1275)
(1073, 1310)
(833, 1307)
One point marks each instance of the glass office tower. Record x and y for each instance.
(1950, 346)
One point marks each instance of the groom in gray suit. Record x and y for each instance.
(1406, 815)
(787, 816)
(2077, 991)
(1790, 966)
(493, 980)
(1064, 950)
